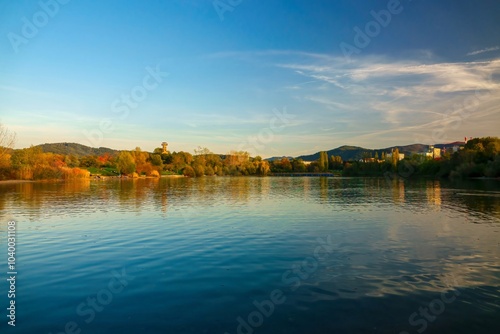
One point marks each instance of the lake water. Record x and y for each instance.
(253, 255)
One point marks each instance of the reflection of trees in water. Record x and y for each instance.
(323, 188)
(482, 203)
(138, 194)
(132, 193)
(31, 197)
(239, 188)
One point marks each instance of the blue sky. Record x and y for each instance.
(276, 77)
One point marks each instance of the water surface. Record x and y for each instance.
(210, 255)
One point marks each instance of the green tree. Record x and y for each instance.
(323, 161)
(336, 162)
(298, 165)
(156, 160)
(125, 163)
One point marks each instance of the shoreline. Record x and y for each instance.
(102, 178)
(16, 181)
(92, 178)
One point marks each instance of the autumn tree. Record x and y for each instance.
(336, 162)
(263, 167)
(71, 161)
(188, 171)
(7, 140)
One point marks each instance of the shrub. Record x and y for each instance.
(199, 170)
(74, 173)
(209, 171)
(188, 171)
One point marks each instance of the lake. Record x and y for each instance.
(253, 255)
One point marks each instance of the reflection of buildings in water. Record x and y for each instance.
(433, 190)
(398, 191)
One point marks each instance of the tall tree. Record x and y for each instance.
(323, 161)
(7, 140)
(395, 157)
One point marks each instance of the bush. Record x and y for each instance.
(199, 170)
(188, 171)
(493, 168)
(209, 171)
(468, 170)
(74, 173)
(154, 173)
(47, 173)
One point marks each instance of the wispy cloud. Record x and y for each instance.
(473, 53)
(381, 95)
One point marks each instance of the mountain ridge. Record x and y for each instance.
(347, 152)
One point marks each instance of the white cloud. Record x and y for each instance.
(473, 53)
(405, 97)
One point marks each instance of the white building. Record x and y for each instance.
(388, 156)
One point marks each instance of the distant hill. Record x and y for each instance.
(355, 153)
(278, 158)
(78, 150)
(346, 152)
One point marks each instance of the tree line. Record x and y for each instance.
(478, 158)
